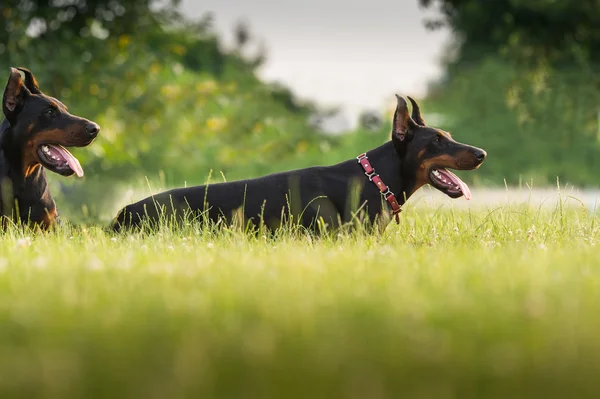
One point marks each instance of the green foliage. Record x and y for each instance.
(176, 107)
(172, 103)
(535, 124)
(167, 96)
(447, 304)
(563, 32)
(523, 82)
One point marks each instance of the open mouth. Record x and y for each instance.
(448, 183)
(58, 159)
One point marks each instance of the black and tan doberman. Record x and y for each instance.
(33, 136)
(376, 183)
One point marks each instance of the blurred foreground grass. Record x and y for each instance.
(448, 304)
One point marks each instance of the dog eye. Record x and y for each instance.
(50, 113)
(437, 140)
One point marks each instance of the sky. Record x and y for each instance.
(354, 54)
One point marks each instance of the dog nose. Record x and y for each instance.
(92, 128)
(480, 155)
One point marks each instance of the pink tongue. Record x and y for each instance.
(465, 189)
(71, 160)
(463, 186)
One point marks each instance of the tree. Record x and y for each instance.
(371, 121)
(526, 72)
(558, 32)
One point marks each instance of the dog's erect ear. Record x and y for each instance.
(403, 123)
(416, 112)
(30, 81)
(15, 94)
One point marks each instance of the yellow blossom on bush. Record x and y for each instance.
(216, 123)
(302, 146)
(154, 68)
(225, 156)
(258, 128)
(124, 40)
(206, 86)
(94, 89)
(170, 91)
(178, 49)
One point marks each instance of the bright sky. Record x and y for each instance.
(350, 53)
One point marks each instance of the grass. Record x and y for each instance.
(492, 303)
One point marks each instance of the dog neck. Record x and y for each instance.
(30, 193)
(393, 170)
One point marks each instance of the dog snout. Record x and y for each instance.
(92, 129)
(479, 154)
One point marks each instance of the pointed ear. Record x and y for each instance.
(416, 112)
(15, 94)
(403, 123)
(30, 81)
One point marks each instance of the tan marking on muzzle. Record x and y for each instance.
(54, 136)
(422, 177)
(30, 156)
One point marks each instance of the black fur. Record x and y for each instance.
(331, 193)
(33, 119)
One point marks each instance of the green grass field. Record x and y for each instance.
(450, 304)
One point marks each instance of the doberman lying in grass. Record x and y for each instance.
(33, 136)
(335, 195)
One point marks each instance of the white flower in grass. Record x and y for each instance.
(40, 262)
(531, 232)
(23, 242)
(542, 246)
(95, 264)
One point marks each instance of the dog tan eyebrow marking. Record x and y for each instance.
(443, 135)
(57, 104)
(63, 105)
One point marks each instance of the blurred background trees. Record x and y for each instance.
(558, 32)
(524, 79)
(172, 102)
(167, 95)
(521, 79)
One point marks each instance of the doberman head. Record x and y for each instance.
(33, 136)
(427, 153)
